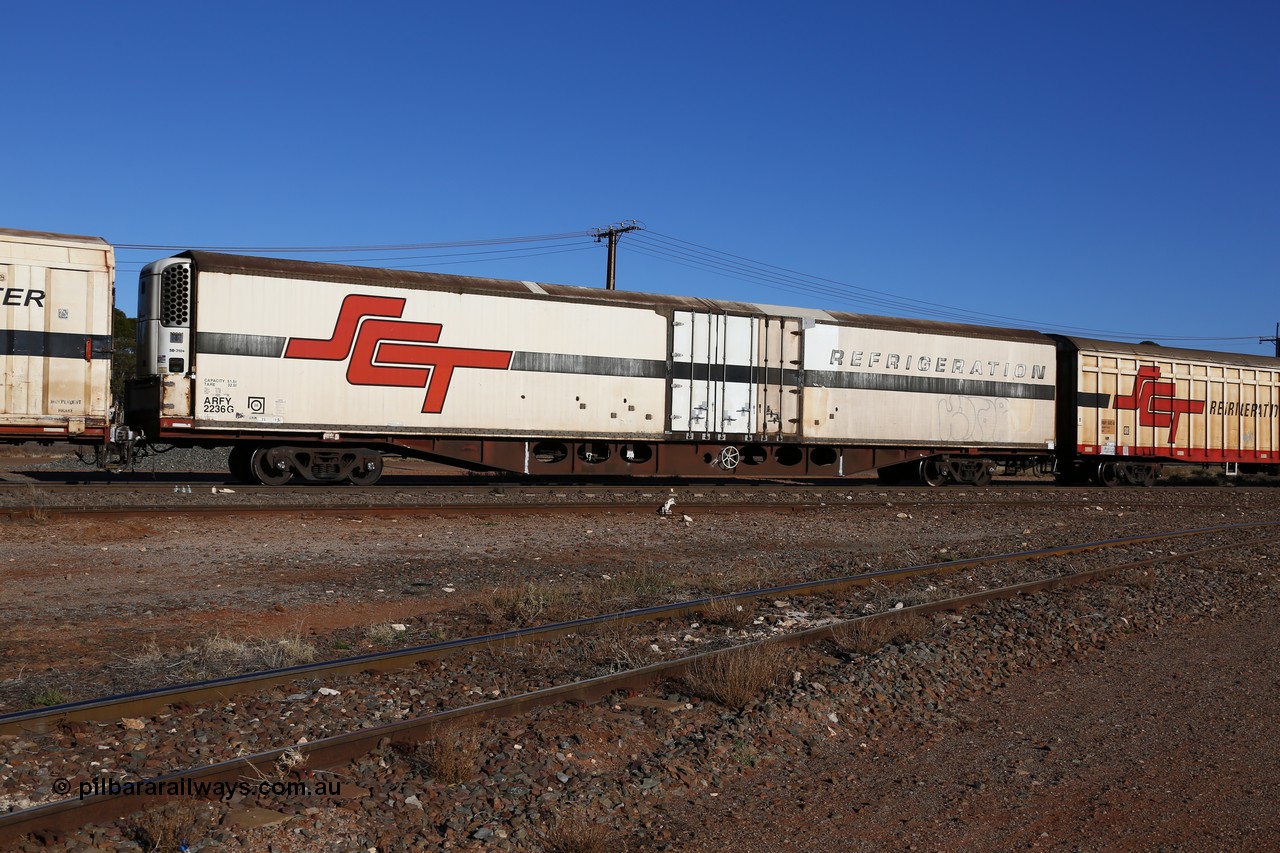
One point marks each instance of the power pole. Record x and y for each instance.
(1275, 340)
(613, 232)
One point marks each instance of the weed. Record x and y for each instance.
(548, 660)
(861, 636)
(215, 656)
(635, 588)
(615, 650)
(450, 755)
(744, 754)
(383, 634)
(174, 825)
(149, 655)
(219, 655)
(868, 636)
(50, 696)
(742, 578)
(1138, 579)
(727, 612)
(908, 629)
(37, 513)
(530, 604)
(289, 761)
(737, 677)
(577, 833)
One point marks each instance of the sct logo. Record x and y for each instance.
(1156, 403)
(391, 353)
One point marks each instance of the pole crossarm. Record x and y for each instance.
(612, 233)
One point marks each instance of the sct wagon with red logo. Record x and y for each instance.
(1137, 406)
(319, 370)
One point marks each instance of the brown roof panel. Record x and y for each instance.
(1155, 351)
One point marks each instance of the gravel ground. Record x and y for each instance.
(1026, 724)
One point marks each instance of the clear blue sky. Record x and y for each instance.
(1075, 165)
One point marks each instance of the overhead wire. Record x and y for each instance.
(794, 280)
(385, 247)
(673, 250)
(431, 260)
(481, 260)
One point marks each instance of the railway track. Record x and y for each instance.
(334, 750)
(50, 502)
(146, 702)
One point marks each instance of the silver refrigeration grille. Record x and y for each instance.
(175, 295)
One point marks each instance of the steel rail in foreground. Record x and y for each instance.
(57, 513)
(142, 703)
(506, 504)
(642, 505)
(327, 753)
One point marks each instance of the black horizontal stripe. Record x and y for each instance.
(1093, 401)
(736, 373)
(593, 365)
(223, 343)
(649, 368)
(926, 384)
(51, 344)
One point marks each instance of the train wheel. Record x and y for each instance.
(1107, 474)
(265, 471)
(1150, 473)
(369, 473)
(239, 463)
(933, 472)
(982, 476)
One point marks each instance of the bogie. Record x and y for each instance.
(275, 465)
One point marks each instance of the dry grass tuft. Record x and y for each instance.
(613, 647)
(737, 677)
(868, 636)
(627, 589)
(449, 756)
(577, 833)
(729, 613)
(219, 655)
(544, 659)
(744, 577)
(383, 634)
(1138, 579)
(213, 656)
(34, 498)
(174, 825)
(909, 628)
(530, 604)
(859, 637)
(290, 761)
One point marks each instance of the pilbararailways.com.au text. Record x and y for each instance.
(198, 788)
